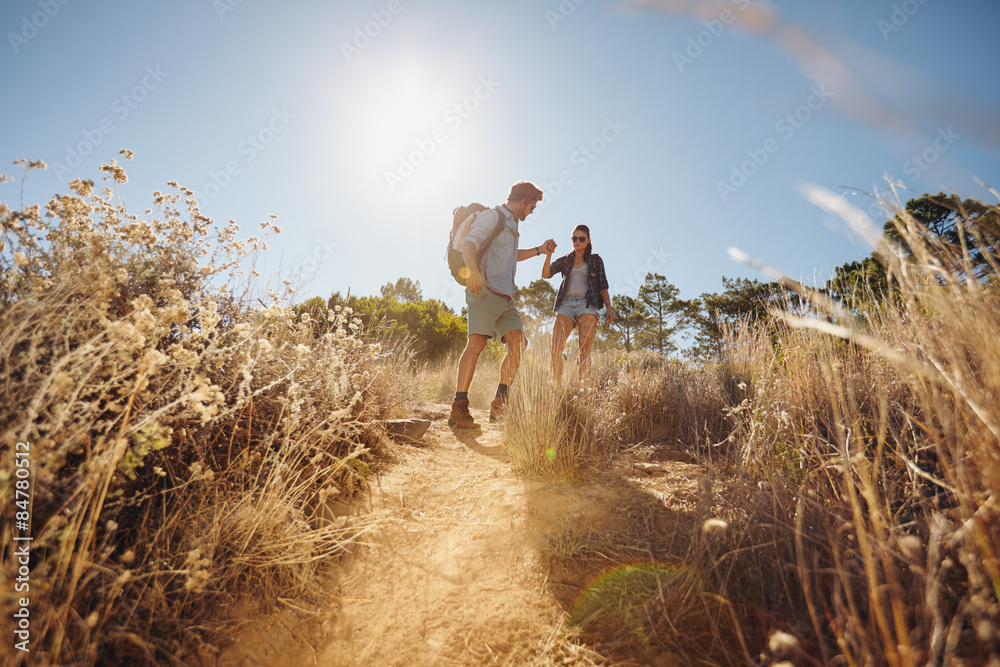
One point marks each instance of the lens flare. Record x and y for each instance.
(620, 593)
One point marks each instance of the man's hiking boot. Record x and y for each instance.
(461, 417)
(497, 408)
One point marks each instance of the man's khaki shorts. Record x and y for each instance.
(491, 314)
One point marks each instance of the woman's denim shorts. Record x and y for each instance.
(575, 306)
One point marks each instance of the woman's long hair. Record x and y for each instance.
(590, 246)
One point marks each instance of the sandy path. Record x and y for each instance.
(471, 564)
(453, 576)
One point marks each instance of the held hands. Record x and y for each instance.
(548, 247)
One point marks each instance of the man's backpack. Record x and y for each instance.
(462, 218)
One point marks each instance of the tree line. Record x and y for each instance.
(965, 234)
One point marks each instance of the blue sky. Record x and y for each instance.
(674, 129)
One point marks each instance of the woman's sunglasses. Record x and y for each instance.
(581, 239)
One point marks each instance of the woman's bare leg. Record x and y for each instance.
(560, 332)
(588, 325)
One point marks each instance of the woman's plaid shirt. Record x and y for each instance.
(597, 279)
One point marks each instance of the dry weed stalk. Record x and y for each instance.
(875, 433)
(857, 453)
(185, 446)
(554, 428)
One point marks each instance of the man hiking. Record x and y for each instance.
(489, 294)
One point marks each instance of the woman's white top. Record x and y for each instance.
(577, 281)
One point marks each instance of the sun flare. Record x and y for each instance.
(406, 127)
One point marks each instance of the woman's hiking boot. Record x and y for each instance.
(460, 416)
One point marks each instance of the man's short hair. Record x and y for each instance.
(524, 190)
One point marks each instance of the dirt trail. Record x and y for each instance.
(456, 574)
(452, 578)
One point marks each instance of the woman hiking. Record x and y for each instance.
(583, 290)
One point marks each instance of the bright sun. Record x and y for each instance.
(402, 129)
(397, 108)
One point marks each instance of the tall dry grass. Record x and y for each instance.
(627, 399)
(876, 436)
(856, 459)
(185, 445)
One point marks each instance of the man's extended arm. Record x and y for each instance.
(528, 253)
(546, 249)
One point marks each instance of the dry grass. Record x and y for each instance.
(855, 458)
(556, 428)
(544, 429)
(877, 437)
(184, 446)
